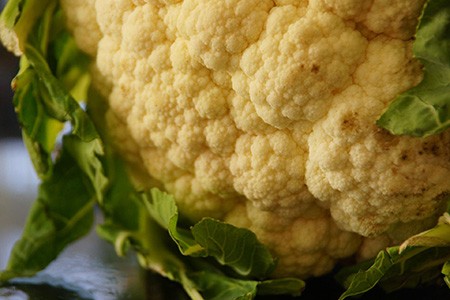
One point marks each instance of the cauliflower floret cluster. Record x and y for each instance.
(262, 113)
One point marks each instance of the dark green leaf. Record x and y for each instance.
(62, 213)
(87, 155)
(282, 286)
(214, 285)
(125, 217)
(363, 281)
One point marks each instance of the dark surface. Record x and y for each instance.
(8, 69)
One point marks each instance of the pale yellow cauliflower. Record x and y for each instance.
(262, 113)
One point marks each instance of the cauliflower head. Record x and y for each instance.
(262, 113)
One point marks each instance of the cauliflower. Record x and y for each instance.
(262, 113)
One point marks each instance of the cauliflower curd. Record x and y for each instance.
(262, 114)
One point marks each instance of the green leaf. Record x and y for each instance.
(235, 247)
(148, 223)
(215, 286)
(42, 102)
(446, 272)
(416, 262)
(58, 103)
(161, 206)
(438, 236)
(72, 176)
(425, 109)
(125, 216)
(128, 225)
(62, 213)
(364, 281)
(419, 266)
(161, 257)
(72, 67)
(231, 246)
(39, 130)
(87, 156)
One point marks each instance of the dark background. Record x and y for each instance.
(8, 69)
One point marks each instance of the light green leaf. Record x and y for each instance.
(439, 236)
(235, 247)
(162, 257)
(161, 206)
(39, 95)
(425, 110)
(231, 246)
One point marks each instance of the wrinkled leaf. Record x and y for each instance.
(235, 247)
(364, 281)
